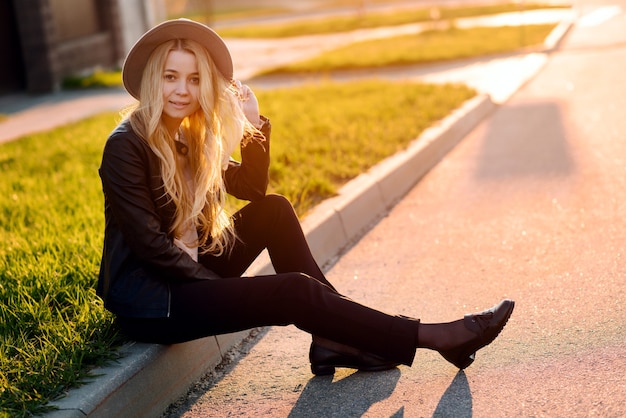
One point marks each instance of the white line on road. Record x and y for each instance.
(598, 16)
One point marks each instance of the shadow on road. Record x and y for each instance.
(456, 400)
(525, 140)
(352, 395)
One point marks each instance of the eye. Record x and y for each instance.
(169, 77)
(194, 80)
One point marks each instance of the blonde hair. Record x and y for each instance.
(212, 134)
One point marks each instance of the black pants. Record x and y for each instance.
(298, 294)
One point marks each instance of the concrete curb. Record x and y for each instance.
(147, 378)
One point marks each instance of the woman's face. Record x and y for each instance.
(181, 87)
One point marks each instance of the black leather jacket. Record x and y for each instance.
(139, 257)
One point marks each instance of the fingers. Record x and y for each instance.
(248, 102)
(243, 91)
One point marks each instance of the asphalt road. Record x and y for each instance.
(530, 206)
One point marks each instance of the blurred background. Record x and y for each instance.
(44, 41)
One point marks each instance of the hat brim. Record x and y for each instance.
(137, 58)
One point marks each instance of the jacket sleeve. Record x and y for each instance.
(248, 179)
(126, 175)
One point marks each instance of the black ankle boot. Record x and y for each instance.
(324, 360)
(486, 326)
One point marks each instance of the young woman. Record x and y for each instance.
(173, 257)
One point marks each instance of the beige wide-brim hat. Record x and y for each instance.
(137, 58)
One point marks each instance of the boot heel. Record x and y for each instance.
(322, 370)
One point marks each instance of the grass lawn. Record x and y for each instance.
(53, 328)
(51, 323)
(99, 78)
(423, 48)
(367, 20)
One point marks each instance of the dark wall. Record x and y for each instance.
(12, 68)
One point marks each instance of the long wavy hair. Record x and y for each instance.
(212, 134)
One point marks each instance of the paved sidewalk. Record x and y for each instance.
(149, 377)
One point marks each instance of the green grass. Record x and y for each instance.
(51, 324)
(53, 328)
(100, 78)
(326, 134)
(423, 48)
(217, 15)
(224, 11)
(368, 20)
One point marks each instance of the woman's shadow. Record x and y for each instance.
(456, 400)
(351, 396)
(354, 395)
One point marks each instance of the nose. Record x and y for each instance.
(182, 88)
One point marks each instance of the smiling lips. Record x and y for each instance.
(179, 105)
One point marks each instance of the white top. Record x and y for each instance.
(190, 234)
